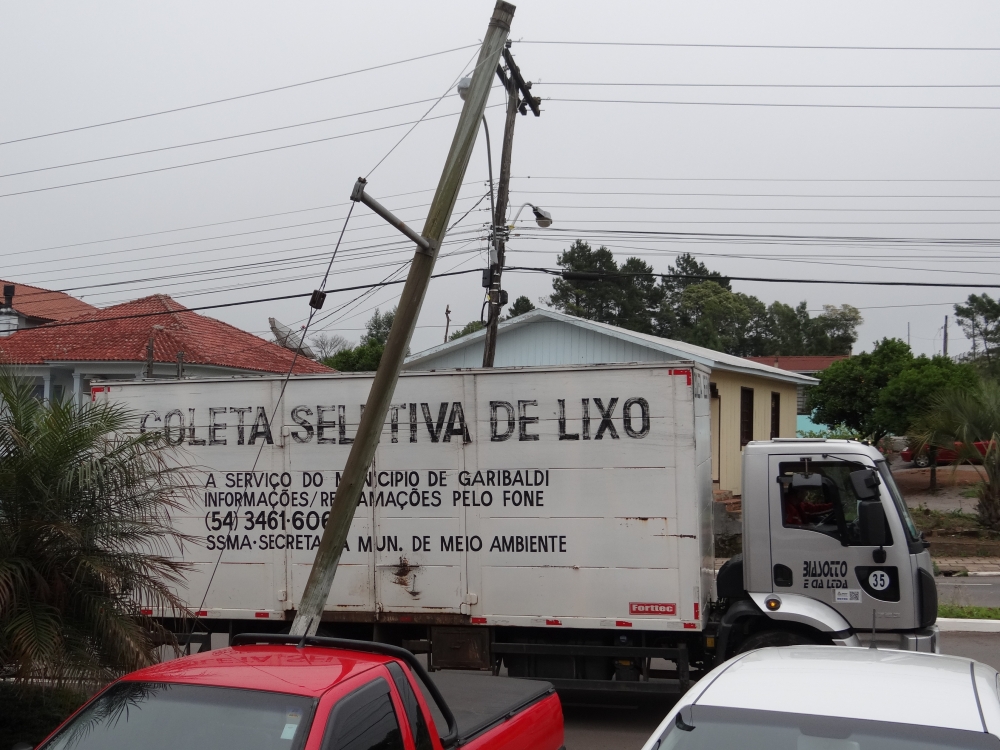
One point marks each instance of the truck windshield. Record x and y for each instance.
(712, 727)
(164, 716)
(897, 500)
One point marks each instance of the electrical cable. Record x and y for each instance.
(234, 98)
(742, 195)
(793, 105)
(530, 269)
(212, 140)
(106, 253)
(225, 158)
(787, 85)
(762, 46)
(228, 221)
(589, 276)
(431, 109)
(771, 208)
(763, 179)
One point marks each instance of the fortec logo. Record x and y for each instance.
(651, 608)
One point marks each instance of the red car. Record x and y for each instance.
(944, 455)
(269, 692)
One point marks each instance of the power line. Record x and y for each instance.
(568, 275)
(214, 140)
(591, 276)
(228, 221)
(422, 118)
(776, 238)
(763, 46)
(223, 158)
(781, 221)
(796, 105)
(269, 267)
(744, 195)
(771, 208)
(784, 85)
(256, 301)
(216, 237)
(234, 98)
(762, 179)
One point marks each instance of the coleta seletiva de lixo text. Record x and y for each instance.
(596, 419)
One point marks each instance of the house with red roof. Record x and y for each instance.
(25, 306)
(149, 337)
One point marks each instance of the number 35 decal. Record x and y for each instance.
(879, 582)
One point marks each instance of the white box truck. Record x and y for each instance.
(554, 520)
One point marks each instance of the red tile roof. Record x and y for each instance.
(46, 305)
(809, 363)
(120, 334)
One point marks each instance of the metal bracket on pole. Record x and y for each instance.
(359, 195)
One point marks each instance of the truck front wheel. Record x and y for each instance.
(770, 638)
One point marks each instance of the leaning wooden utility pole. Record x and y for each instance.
(515, 86)
(352, 480)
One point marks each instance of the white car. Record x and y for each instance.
(836, 698)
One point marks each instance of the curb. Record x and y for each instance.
(961, 625)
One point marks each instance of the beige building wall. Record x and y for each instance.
(726, 415)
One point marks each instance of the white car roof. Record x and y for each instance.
(860, 683)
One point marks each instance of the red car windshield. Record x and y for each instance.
(163, 716)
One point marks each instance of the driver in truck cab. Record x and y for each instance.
(800, 509)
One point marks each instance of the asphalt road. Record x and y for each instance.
(983, 591)
(592, 726)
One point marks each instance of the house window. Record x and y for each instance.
(746, 416)
(775, 415)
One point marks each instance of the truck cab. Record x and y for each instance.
(830, 553)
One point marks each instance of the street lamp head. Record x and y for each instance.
(463, 87)
(542, 218)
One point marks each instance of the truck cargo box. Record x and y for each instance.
(573, 497)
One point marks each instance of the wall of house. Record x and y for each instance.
(547, 342)
(728, 385)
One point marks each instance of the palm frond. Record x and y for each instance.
(86, 538)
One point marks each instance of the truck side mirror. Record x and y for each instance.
(871, 522)
(865, 483)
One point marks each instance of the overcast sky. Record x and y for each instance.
(849, 171)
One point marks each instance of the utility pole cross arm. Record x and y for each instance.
(359, 195)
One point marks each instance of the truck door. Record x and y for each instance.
(816, 545)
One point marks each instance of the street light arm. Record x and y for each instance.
(518, 214)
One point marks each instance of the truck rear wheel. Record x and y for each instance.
(771, 638)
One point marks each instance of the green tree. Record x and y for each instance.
(979, 319)
(86, 539)
(835, 330)
(521, 305)
(792, 331)
(908, 395)
(593, 300)
(471, 327)
(686, 273)
(378, 326)
(960, 417)
(849, 390)
(365, 357)
(696, 305)
(709, 315)
(639, 296)
(360, 358)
